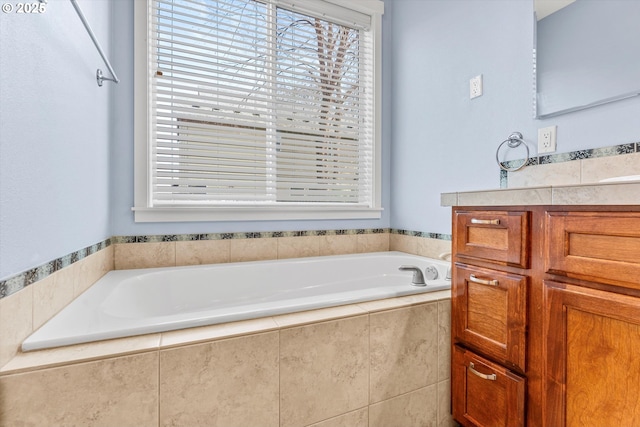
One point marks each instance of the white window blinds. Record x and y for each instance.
(259, 103)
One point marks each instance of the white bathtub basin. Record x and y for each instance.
(132, 302)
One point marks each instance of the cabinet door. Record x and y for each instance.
(489, 310)
(592, 357)
(499, 237)
(484, 393)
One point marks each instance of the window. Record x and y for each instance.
(257, 109)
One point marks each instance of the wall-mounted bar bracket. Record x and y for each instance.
(99, 76)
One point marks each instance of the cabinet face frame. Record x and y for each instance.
(560, 300)
(499, 331)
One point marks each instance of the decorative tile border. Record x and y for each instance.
(26, 278)
(614, 150)
(242, 235)
(437, 236)
(29, 277)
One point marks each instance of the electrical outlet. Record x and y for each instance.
(547, 139)
(475, 87)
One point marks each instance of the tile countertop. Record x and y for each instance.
(610, 193)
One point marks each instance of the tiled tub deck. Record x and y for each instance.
(376, 363)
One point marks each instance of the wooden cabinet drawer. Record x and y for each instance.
(484, 393)
(490, 313)
(595, 246)
(500, 237)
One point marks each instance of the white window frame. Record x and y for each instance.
(143, 209)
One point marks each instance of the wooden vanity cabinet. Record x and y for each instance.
(559, 326)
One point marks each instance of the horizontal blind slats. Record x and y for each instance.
(244, 115)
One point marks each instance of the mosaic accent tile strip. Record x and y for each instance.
(29, 277)
(614, 150)
(243, 235)
(438, 236)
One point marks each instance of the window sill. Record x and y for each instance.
(253, 213)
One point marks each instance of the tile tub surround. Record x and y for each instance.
(164, 251)
(26, 310)
(372, 364)
(32, 298)
(172, 250)
(192, 249)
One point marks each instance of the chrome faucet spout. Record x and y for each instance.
(418, 277)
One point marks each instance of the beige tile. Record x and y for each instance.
(217, 332)
(596, 169)
(253, 249)
(604, 194)
(374, 242)
(226, 383)
(71, 354)
(403, 243)
(406, 301)
(323, 370)
(359, 418)
(197, 252)
(339, 244)
(404, 350)
(93, 267)
(87, 271)
(144, 255)
(448, 199)
(432, 248)
(444, 339)
(113, 392)
(445, 419)
(297, 247)
(51, 295)
(320, 315)
(16, 323)
(418, 408)
(72, 276)
(527, 196)
(564, 173)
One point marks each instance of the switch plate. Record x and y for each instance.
(475, 87)
(547, 139)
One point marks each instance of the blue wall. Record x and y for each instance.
(66, 153)
(444, 142)
(54, 135)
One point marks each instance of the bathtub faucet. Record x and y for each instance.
(418, 277)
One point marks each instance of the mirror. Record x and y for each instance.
(587, 53)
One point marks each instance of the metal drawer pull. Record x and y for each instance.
(485, 221)
(491, 377)
(474, 279)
